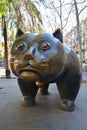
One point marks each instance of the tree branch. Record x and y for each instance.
(68, 16)
(81, 2)
(82, 9)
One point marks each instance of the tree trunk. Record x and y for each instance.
(7, 70)
(61, 21)
(78, 32)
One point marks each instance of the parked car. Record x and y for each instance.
(84, 64)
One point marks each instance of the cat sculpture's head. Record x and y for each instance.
(37, 57)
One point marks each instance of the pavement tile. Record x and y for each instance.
(46, 115)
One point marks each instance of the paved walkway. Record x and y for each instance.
(84, 76)
(46, 115)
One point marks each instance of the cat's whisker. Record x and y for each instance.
(16, 61)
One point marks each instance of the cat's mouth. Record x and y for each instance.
(30, 75)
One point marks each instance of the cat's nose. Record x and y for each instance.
(30, 54)
(28, 57)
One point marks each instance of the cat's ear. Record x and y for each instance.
(58, 35)
(19, 32)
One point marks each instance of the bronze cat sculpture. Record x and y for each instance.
(38, 60)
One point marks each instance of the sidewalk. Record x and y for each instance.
(84, 76)
(46, 115)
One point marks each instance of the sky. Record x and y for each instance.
(49, 25)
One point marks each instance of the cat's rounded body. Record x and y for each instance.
(38, 60)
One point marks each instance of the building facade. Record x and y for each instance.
(71, 39)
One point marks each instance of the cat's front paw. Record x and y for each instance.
(67, 105)
(27, 101)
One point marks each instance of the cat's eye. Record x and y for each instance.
(44, 46)
(21, 47)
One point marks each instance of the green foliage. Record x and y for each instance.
(4, 4)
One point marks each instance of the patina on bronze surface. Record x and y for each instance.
(38, 60)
